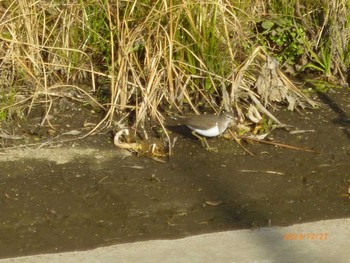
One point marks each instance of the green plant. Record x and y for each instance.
(284, 38)
(322, 61)
(320, 86)
(3, 115)
(199, 44)
(7, 98)
(96, 32)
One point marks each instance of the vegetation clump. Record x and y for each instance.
(144, 59)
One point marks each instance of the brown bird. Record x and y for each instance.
(208, 125)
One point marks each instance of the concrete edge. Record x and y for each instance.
(321, 241)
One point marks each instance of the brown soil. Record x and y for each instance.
(86, 193)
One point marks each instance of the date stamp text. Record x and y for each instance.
(306, 236)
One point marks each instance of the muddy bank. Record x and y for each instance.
(86, 194)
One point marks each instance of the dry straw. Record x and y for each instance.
(156, 57)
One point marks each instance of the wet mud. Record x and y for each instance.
(87, 193)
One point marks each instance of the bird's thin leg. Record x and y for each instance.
(204, 143)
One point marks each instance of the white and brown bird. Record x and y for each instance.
(208, 125)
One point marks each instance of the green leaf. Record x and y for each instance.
(267, 25)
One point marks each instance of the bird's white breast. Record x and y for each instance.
(212, 132)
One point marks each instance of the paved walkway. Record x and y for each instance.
(323, 241)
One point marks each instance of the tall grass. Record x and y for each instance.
(162, 56)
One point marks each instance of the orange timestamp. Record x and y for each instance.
(306, 236)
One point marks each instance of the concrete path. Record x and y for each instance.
(323, 241)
